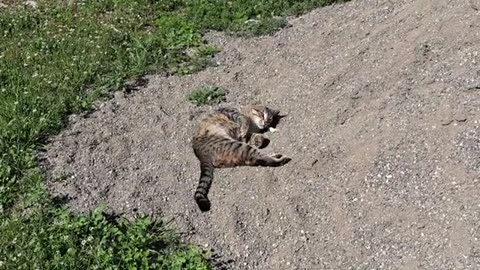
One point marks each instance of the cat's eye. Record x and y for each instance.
(256, 112)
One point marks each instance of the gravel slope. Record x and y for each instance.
(383, 100)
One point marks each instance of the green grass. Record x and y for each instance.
(56, 60)
(58, 240)
(207, 95)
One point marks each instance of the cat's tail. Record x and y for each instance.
(205, 182)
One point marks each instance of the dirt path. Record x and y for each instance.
(383, 100)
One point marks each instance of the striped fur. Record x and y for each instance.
(230, 138)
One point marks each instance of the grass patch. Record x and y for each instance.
(207, 95)
(55, 239)
(59, 58)
(246, 17)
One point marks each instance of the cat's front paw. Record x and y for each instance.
(264, 142)
(260, 141)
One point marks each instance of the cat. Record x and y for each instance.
(228, 138)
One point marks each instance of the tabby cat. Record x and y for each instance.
(229, 138)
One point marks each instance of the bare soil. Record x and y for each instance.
(383, 126)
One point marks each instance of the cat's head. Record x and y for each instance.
(263, 117)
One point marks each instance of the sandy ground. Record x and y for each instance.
(383, 100)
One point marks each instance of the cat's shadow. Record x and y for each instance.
(276, 120)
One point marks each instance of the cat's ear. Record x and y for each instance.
(275, 112)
